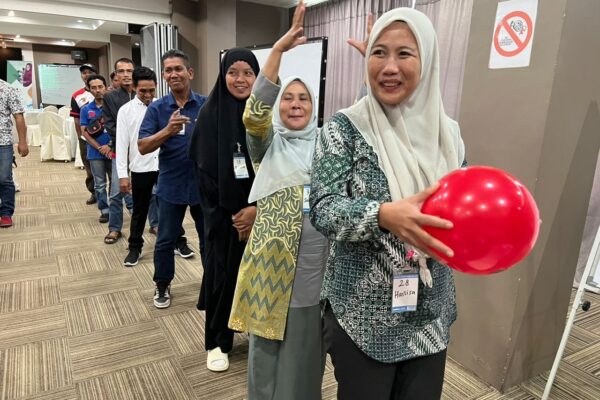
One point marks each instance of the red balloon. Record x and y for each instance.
(496, 221)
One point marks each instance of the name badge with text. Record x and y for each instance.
(239, 166)
(404, 292)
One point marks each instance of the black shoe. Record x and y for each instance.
(162, 296)
(91, 200)
(103, 218)
(133, 257)
(184, 251)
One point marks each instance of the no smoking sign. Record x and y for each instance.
(513, 34)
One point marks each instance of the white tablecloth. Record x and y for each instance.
(71, 134)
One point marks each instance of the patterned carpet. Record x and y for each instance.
(77, 325)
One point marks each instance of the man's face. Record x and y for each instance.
(145, 91)
(85, 73)
(177, 75)
(97, 88)
(124, 73)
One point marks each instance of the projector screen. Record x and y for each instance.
(58, 82)
(307, 61)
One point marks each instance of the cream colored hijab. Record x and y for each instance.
(415, 141)
(288, 159)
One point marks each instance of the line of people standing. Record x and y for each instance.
(302, 230)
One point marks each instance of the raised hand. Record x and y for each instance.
(294, 36)
(361, 45)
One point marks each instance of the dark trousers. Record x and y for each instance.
(222, 337)
(141, 192)
(360, 377)
(170, 218)
(89, 178)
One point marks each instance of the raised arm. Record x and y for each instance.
(259, 107)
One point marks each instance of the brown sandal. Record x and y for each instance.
(112, 237)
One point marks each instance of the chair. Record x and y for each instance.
(64, 112)
(54, 144)
(34, 133)
(51, 109)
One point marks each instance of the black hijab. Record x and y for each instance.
(219, 128)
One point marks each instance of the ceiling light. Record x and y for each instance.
(11, 13)
(3, 45)
(136, 44)
(309, 3)
(80, 21)
(18, 37)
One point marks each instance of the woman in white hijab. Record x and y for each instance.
(279, 281)
(375, 163)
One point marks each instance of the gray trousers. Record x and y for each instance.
(291, 369)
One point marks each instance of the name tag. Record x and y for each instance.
(239, 166)
(404, 292)
(305, 197)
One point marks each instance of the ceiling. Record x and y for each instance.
(29, 27)
(20, 24)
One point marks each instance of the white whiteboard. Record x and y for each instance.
(306, 61)
(58, 82)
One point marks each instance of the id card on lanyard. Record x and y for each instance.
(240, 170)
(305, 198)
(405, 290)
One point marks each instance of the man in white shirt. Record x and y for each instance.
(144, 168)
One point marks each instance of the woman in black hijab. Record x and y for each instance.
(225, 177)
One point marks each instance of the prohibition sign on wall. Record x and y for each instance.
(513, 33)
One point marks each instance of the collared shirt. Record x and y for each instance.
(79, 99)
(177, 174)
(90, 113)
(10, 103)
(129, 120)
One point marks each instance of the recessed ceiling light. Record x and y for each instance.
(100, 21)
(11, 13)
(136, 44)
(18, 37)
(80, 21)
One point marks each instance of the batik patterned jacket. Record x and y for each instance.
(348, 187)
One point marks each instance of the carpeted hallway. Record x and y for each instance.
(77, 325)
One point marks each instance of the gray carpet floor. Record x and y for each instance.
(77, 325)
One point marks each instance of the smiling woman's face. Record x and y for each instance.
(394, 64)
(239, 79)
(295, 108)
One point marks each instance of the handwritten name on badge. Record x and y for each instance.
(405, 292)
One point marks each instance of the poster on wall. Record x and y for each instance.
(19, 74)
(513, 31)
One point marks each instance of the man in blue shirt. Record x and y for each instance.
(98, 149)
(168, 124)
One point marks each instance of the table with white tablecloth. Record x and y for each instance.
(71, 134)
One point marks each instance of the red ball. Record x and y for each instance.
(496, 221)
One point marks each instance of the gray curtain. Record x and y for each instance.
(343, 19)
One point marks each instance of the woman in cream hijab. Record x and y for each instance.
(375, 163)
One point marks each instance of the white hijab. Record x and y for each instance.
(288, 159)
(415, 141)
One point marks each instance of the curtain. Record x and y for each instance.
(343, 19)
